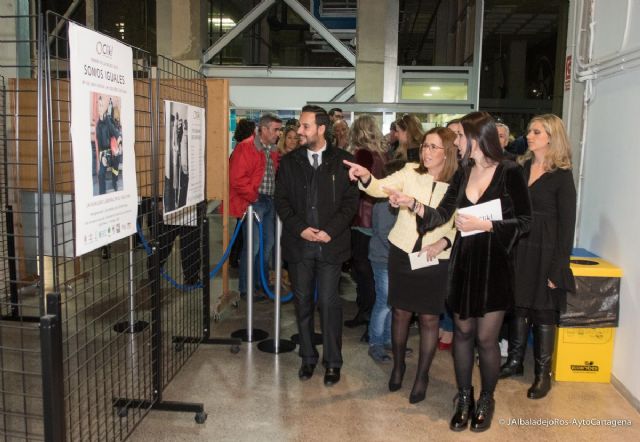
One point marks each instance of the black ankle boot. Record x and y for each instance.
(481, 420)
(464, 409)
(518, 331)
(544, 339)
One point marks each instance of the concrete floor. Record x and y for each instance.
(256, 396)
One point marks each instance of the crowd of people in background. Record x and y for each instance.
(404, 209)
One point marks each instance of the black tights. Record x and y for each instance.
(483, 332)
(428, 343)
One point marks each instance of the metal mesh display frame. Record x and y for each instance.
(88, 344)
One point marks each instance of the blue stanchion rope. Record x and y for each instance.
(212, 274)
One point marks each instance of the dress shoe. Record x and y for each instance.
(394, 383)
(306, 371)
(481, 420)
(331, 376)
(378, 354)
(357, 321)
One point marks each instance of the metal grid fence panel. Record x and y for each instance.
(130, 313)
(105, 293)
(21, 406)
(180, 247)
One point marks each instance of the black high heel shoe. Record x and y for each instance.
(419, 396)
(395, 386)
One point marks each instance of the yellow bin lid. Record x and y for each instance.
(598, 267)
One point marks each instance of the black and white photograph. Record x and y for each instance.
(184, 156)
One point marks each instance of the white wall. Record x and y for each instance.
(610, 210)
(281, 94)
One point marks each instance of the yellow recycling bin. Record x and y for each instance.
(585, 338)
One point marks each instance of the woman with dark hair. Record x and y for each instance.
(421, 290)
(543, 275)
(244, 129)
(481, 273)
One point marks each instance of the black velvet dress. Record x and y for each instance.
(543, 253)
(481, 267)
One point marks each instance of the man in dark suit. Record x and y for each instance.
(316, 202)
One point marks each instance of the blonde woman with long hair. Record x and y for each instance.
(289, 140)
(543, 275)
(410, 136)
(367, 143)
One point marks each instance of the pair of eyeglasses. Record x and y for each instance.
(431, 146)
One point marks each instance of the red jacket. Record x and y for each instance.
(246, 169)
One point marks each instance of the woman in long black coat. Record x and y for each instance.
(543, 275)
(481, 267)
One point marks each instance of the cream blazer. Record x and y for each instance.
(404, 233)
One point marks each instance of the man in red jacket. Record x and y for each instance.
(252, 178)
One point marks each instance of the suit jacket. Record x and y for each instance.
(337, 203)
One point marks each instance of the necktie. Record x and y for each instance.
(315, 160)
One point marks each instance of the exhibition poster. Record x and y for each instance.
(103, 138)
(183, 161)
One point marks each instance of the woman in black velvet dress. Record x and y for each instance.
(481, 268)
(543, 275)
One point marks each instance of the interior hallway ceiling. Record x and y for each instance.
(504, 20)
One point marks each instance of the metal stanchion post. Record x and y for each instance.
(277, 345)
(131, 326)
(249, 334)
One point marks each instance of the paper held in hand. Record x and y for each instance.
(490, 211)
(418, 262)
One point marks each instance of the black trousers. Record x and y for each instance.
(305, 275)
(362, 273)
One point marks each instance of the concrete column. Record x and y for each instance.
(182, 30)
(377, 50)
(90, 13)
(516, 83)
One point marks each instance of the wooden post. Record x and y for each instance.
(218, 162)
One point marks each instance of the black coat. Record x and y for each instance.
(481, 268)
(543, 253)
(337, 203)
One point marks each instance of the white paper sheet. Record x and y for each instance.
(491, 211)
(418, 262)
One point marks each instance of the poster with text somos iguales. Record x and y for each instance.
(103, 138)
